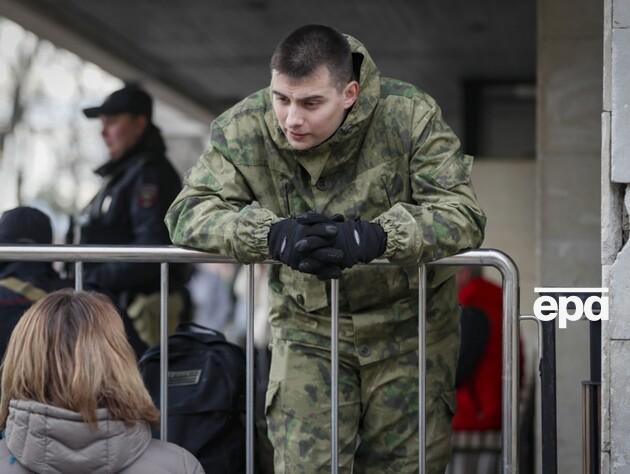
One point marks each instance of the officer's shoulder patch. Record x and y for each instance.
(148, 196)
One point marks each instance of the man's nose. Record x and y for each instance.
(294, 117)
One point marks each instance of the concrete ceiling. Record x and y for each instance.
(204, 55)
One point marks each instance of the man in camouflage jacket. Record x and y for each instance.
(391, 161)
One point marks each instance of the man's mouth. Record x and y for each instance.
(296, 135)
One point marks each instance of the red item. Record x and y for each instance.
(479, 397)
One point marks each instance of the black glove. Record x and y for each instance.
(319, 256)
(313, 231)
(357, 242)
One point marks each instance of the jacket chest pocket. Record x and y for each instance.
(114, 209)
(374, 191)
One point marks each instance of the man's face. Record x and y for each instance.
(310, 109)
(121, 132)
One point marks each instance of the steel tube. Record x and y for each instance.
(249, 382)
(539, 340)
(509, 410)
(334, 375)
(78, 276)
(422, 364)
(164, 351)
(109, 253)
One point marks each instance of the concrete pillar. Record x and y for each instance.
(615, 255)
(569, 80)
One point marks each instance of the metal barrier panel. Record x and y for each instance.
(164, 351)
(334, 374)
(78, 276)
(422, 368)
(249, 376)
(162, 255)
(509, 409)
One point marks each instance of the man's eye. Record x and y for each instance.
(282, 100)
(311, 105)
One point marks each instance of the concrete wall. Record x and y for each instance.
(568, 151)
(506, 189)
(615, 254)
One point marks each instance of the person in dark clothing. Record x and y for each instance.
(139, 183)
(23, 283)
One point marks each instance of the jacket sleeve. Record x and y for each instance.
(216, 211)
(149, 198)
(444, 217)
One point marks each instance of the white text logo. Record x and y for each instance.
(570, 304)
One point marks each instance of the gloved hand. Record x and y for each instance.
(357, 241)
(313, 232)
(320, 257)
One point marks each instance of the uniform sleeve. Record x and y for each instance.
(444, 217)
(216, 211)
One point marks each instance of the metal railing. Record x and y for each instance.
(165, 255)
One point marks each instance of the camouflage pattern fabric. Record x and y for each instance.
(393, 161)
(378, 401)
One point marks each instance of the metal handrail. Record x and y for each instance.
(509, 419)
(170, 254)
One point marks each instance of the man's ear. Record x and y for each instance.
(142, 121)
(350, 94)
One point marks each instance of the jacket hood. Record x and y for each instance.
(360, 113)
(151, 143)
(47, 439)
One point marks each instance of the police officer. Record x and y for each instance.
(330, 166)
(139, 183)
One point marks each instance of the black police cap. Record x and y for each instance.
(130, 99)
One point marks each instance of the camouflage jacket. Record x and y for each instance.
(393, 161)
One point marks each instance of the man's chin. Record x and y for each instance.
(115, 155)
(301, 144)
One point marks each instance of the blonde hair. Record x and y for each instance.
(70, 350)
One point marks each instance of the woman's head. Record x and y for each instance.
(70, 350)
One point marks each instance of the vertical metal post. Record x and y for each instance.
(548, 407)
(510, 346)
(249, 382)
(422, 359)
(591, 426)
(510, 369)
(592, 401)
(334, 374)
(78, 276)
(164, 351)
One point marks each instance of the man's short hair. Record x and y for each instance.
(311, 46)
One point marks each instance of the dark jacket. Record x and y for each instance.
(129, 209)
(35, 280)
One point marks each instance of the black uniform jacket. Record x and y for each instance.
(129, 209)
(43, 279)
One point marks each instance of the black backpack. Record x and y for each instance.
(206, 395)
